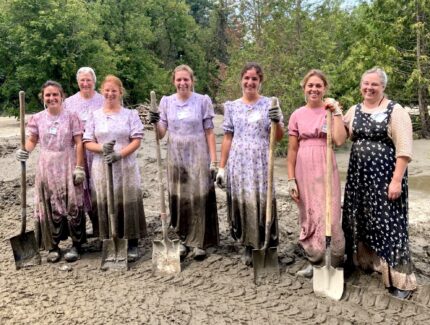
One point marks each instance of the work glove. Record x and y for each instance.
(213, 170)
(292, 188)
(22, 155)
(112, 157)
(220, 178)
(108, 147)
(333, 105)
(78, 175)
(275, 114)
(154, 117)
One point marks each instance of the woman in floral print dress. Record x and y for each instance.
(375, 210)
(59, 208)
(245, 146)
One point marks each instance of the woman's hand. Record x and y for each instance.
(333, 105)
(394, 189)
(293, 190)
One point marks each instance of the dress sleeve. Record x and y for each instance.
(401, 132)
(77, 126)
(32, 127)
(348, 118)
(136, 126)
(293, 127)
(89, 129)
(163, 112)
(227, 124)
(208, 113)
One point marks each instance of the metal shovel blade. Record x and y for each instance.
(165, 257)
(114, 254)
(328, 281)
(25, 250)
(265, 263)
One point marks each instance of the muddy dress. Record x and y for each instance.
(192, 200)
(59, 207)
(309, 126)
(84, 108)
(128, 201)
(376, 228)
(247, 169)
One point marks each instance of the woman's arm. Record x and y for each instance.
(395, 187)
(31, 142)
(131, 147)
(79, 150)
(210, 139)
(279, 132)
(93, 146)
(339, 131)
(225, 148)
(293, 147)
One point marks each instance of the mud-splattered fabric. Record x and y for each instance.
(121, 127)
(59, 207)
(309, 126)
(247, 170)
(369, 217)
(192, 198)
(84, 107)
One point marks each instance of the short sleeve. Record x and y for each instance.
(227, 124)
(89, 129)
(77, 126)
(208, 113)
(293, 128)
(32, 127)
(136, 126)
(348, 118)
(163, 112)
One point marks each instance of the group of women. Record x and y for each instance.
(78, 137)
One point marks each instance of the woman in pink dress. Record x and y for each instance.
(59, 208)
(306, 162)
(113, 133)
(83, 103)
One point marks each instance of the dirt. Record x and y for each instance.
(217, 290)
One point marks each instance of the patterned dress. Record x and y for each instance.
(247, 170)
(59, 207)
(308, 125)
(369, 217)
(122, 127)
(84, 108)
(192, 200)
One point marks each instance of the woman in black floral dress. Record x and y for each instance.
(375, 209)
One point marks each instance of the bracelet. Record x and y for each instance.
(79, 167)
(292, 179)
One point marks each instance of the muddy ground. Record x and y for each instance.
(218, 290)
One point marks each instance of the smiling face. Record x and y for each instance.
(86, 84)
(52, 98)
(183, 82)
(371, 88)
(314, 90)
(250, 83)
(112, 94)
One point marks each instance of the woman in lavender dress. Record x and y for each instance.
(191, 163)
(306, 162)
(59, 208)
(113, 133)
(83, 103)
(247, 122)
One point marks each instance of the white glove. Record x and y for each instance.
(220, 178)
(22, 155)
(78, 175)
(213, 168)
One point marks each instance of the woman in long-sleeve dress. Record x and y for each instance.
(113, 133)
(83, 103)
(245, 147)
(187, 116)
(306, 162)
(59, 209)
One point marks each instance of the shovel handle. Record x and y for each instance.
(269, 212)
(23, 166)
(329, 174)
(111, 210)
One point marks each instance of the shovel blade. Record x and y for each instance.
(114, 254)
(25, 250)
(165, 257)
(328, 282)
(265, 263)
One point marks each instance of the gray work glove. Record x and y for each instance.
(220, 178)
(22, 155)
(112, 157)
(213, 170)
(78, 175)
(275, 114)
(108, 147)
(154, 117)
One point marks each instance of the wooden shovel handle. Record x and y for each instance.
(23, 166)
(329, 175)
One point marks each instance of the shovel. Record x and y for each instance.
(165, 252)
(327, 280)
(24, 246)
(114, 253)
(265, 260)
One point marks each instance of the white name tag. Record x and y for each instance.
(53, 130)
(184, 114)
(379, 117)
(254, 116)
(324, 127)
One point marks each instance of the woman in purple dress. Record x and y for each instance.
(59, 208)
(83, 103)
(245, 145)
(113, 133)
(306, 162)
(191, 163)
